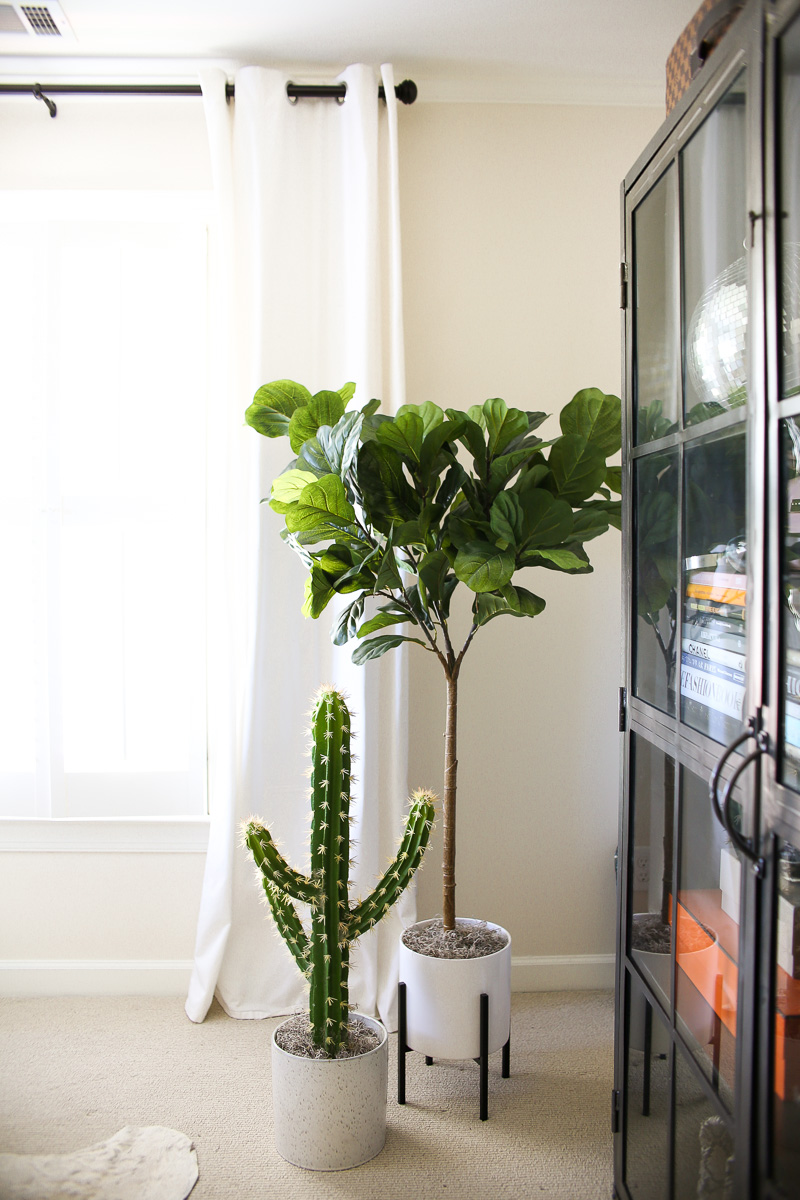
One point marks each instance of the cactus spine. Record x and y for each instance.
(323, 952)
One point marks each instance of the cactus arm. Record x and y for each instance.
(274, 867)
(400, 871)
(289, 925)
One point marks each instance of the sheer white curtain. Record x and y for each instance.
(306, 275)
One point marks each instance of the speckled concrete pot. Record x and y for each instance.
(443, 999)
(330, 1114)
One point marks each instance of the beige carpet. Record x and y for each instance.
(75, 1070)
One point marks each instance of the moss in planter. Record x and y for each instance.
(467, 940)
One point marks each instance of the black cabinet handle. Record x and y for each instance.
(722, 807)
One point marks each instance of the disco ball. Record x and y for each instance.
(717, 338)
(717, 341)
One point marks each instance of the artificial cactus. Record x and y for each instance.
(323, 951)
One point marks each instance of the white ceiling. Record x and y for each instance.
(550, 51)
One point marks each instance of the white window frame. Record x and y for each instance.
(145, 834)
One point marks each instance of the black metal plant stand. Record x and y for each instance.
(482, 1061)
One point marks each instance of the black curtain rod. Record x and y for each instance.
(406, 91)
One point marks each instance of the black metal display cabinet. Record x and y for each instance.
(707, 1051)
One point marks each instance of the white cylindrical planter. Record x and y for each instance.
(330, 1113)
(443, 999)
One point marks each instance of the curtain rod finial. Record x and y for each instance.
(406, 91)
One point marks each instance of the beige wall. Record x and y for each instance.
(511, 253)
(510, 218)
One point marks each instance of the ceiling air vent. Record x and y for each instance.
(35, 20)
(41, 20)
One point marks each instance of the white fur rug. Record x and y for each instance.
(135, 1164)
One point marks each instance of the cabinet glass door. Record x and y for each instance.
(692, 582)
(713, 662)
(714, 211)
(781, 840)
(786, 1023)
(707, 939)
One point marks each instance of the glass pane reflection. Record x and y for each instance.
(786, 1098)
(790, 208)
(656, 579)
(715, 588)
(790, 435)
(651, 869)
(704, 1148)
(655, 312)
(647, 1114)
(715, 270)
(707, 938)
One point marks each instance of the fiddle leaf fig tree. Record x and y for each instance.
(399, 511)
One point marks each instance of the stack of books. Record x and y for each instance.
(713, 653)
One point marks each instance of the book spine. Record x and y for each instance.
(716, 633)
(713, 685)
(712, 652)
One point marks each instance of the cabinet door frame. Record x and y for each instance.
(742, 49)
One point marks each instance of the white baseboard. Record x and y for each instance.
(563, 973)
(163, 977)
(95, 977)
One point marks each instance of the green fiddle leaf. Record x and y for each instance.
(287, 489)
(433, 444)
(547, 521)
(595, 417)
(589, 523)
(273, 406)
(408, 533)
(484, 567)
(534, 475)
(577, 466)
(313, 458)
(387, 494)
(562, 560)
(334, 561)
(388, 573)
(375, 647)
(511, 601)
(370, 408)
(403, 434)
(340, 443)
(430, 414)
(381, 620)
(324, 408)
(535, 419)
(472, 436)
(610, 509)
(347, 391)
(507, 519)
(613, 479)
(577, 564)
(346, 623)
(506, 466)
(322, 503)
(372, 423)
(318, 593)
(433, 571)
(503, 424)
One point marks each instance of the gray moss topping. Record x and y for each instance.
(296, 1036)
(467, 940)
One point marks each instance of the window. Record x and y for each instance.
(103, 316)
